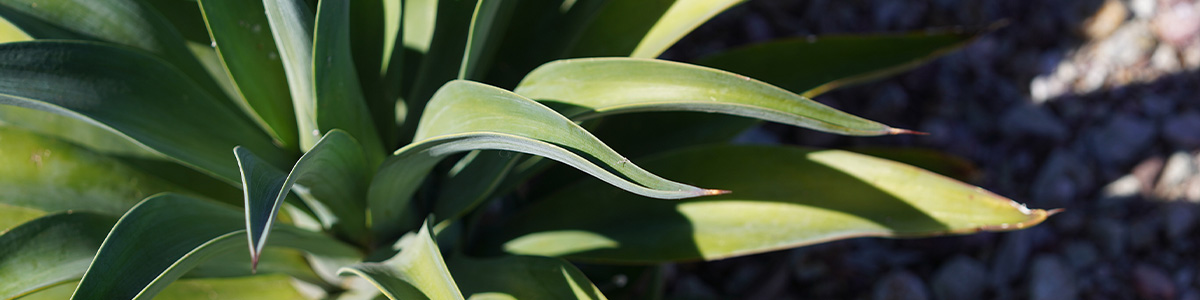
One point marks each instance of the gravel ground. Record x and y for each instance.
(1088, 105)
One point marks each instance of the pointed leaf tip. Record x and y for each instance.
(715, 192)
(896, 131)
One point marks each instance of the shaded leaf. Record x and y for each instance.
(78, 79)
(465, 116)
(679, 20)
(811, 66)
(441, 63)
(50, 250)
(600, 86)
(167, 235)
(243, 39)
(489, 21)
(11, 216)
(334, 174)
(127, 22)
(339, 99)
(618, 27)
(267, 287)
(292, 26)
(522, 277)
(782, 197)
(417, 272)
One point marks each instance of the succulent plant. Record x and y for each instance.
(432, 149)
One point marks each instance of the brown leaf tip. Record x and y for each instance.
(894, 131)
(715, 192)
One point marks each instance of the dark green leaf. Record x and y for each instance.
(339, 99)
(521, 277)
(50, 250)
(417, 272)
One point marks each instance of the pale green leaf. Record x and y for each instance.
(339, 99)
(334, 176)
(243, 39)
(50, 250)
(78, 79)
(678, 21)
(521, 277)
(50, 175)
(417, 272)
(167, 235)
(292, 27)
(268, 287)
(781, 198)
(465, 116)
(11, 216)
(602, 86)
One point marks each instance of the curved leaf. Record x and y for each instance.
(679, 20)
(268, 287)
(81, 80)
(487, 25)
(167, 235)
(618, 27)
(441, 62)
(242, 36)
(417, 272)
(339, 98)
(11, 216)
(334, 174)
(522, 277)
(812, 66)
(51, 175)
(601, 86)
(292, 26)
(782, 197)
(49, 250)
(127, 22)
(465, 116)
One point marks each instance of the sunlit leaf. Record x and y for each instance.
(465, 116)
(600, 86)
(781, 198)
(292, 26)
(679, 20)
(417, 272)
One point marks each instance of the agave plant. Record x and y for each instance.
(432, 149)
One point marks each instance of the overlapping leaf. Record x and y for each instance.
(50, 250)
(677, 21)
(339, 98)
(417, 272)
(243, 39)
(134, 94)
(334, 173)
(521, 277)
(163, 237)
(466, 116)
(292, 26)
(782, 197)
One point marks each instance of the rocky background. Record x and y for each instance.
(1088, 105)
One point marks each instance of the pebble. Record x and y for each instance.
(1121, 139)
(1050, 279)
(1009, 260)
(1081, 254)
(1152, 282)
(1034, 121)
(962, 277)
(1179, 220)
(1179, 23)
(1181, 130)
(900, 285)
(1110, 235)
(1181, 168)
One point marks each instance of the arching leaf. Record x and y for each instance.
(417, 272)
(679, 20)
(50, 250)
(782, 197)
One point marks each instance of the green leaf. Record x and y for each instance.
(553, 25)
(50, 250)
(487, 25)
(603, 86)
(618, 27)
(78, 79)
(334, 175)
(11, 33)
(812, 66)
(373, 33)
(679, 20)
(127, 22)
(11, 216)
(269, 287)
(242, 36)
(417, 272)
(521, 277)
(782, 197)
(292, 26)
(340, 102)
(139, 258)
(465, 116)
(442, 61)
(50, 175)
